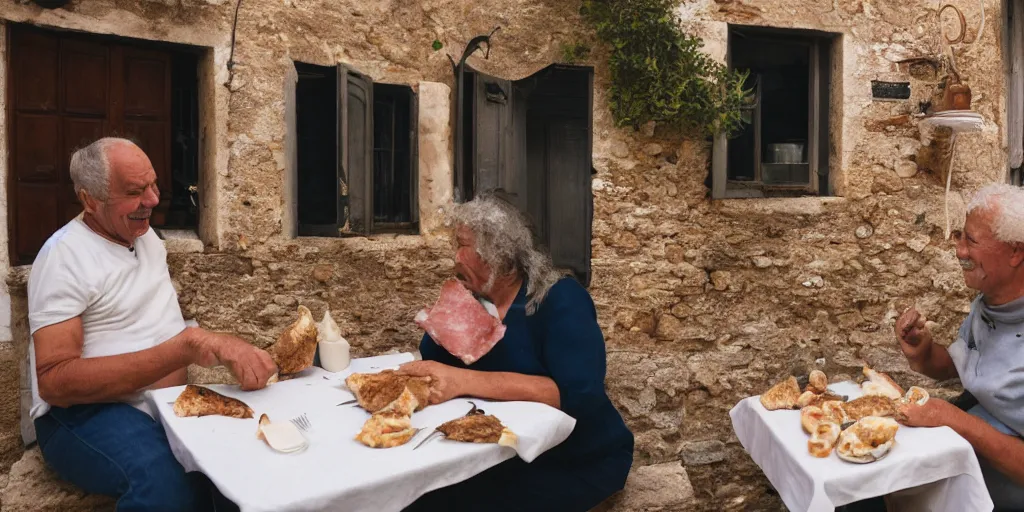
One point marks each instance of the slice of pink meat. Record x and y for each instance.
(460, 324)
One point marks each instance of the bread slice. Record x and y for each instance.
(784, 395)
(200, 401)
(478, 428)
(880, 384)
(392, 425)
(823, 439)
(869, 405)
(375, 391)
(868, 440)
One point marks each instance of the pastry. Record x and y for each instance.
(200, 401)
(783, 395)
(823, 439)
(869, 405)
(867, 440)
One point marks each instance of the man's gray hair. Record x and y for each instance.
(505, 243)
(90, 168)
(1006, 202)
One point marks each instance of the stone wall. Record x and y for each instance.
(702, 302)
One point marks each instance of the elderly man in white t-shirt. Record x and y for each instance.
(106, 325)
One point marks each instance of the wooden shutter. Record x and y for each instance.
(569, 195)
(355, 156)
(492, 126)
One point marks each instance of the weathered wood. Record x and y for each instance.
(1015, 97)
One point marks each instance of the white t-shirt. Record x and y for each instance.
(126, 299)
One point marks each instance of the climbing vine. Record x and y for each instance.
(659, 73)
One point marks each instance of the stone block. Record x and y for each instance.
(33, 487)
(699, 453)
(656, 487)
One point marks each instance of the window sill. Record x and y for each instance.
(807, 205)
(177, 241)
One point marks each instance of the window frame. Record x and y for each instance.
(355, 160)
(820, 72)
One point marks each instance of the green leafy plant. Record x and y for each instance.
(659, 73)
(575, 52)
(436, 45)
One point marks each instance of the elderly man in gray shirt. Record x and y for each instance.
(988, 354)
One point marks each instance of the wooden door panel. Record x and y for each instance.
(86, 77)
(147, 79)
(34, 70)
(78, 133)
(37, 217)
(70, 206)
(37, 148)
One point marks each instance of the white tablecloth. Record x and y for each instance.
(933, 468)
(336, 472)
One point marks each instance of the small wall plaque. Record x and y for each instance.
(890, 90)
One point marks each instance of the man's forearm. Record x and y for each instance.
(935, 363)
(1005, 452)
(511, 386)
(102, 379)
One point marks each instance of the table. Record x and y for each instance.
(933, 469)
(336, 472)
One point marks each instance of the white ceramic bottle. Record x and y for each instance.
(334, 349)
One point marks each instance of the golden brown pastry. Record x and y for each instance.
(828, 412)
(868, 440)
(880, 384)
(390, 426)
(869, 405)
(783, 395)
(478, 428)
(200, 401)
(817, 382)
(811, 398)
(375, 391)
(296, 347)
(823, 439)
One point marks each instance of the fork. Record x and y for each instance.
(303, 423)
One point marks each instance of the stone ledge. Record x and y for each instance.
(33, 487)
(652, 488)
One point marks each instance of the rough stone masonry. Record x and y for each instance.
(702, 302)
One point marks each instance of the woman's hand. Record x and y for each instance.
(446, 382)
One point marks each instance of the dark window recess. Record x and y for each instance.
(532, 138)
(392, 155)
(316, 143)
(357, 163)
(184, 208)
(784, 148)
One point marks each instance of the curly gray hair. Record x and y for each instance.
(505, 242)
(1006, 202)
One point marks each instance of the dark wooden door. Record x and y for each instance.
(65, 91)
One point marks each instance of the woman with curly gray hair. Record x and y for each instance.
(552, 352)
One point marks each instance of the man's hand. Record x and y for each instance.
(915, 337)
(446, 382)
(250, 365)
(934, 413)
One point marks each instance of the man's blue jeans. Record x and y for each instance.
(118, 450)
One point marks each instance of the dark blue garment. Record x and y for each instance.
(561, 340)
(119, 451)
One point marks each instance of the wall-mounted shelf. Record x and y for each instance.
(959, 121)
